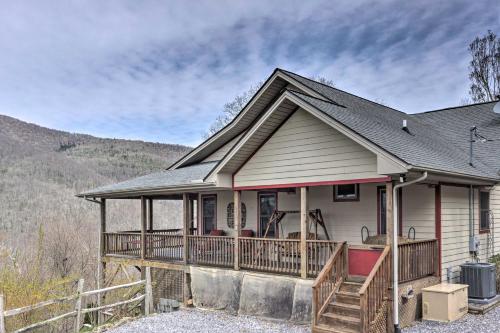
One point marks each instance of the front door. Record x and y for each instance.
(209, 213)
(267, 205)
(382, 211)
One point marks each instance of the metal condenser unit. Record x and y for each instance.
(481, 278)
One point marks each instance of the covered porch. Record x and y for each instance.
(232, 229)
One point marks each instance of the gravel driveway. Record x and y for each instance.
(196, 320)
(488, 323)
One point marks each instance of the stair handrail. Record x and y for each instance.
(328, 281)
(375, 289)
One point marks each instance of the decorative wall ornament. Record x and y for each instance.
(230, 215)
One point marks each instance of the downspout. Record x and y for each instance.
(472, 241)
(395, 259)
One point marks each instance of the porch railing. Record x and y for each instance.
(328, 281)
(211, 250)
(375, 290)
(122, 243)
(318, 253)
(418, 259)
(164, 246)
(270, 255)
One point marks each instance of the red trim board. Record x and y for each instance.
(333, 182)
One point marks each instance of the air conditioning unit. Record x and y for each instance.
(481, 278)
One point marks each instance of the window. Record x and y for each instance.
(209, 213)
(484, 211)
(347, 192)
(230, 215)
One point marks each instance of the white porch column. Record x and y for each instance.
(237, 228)
(304, 211)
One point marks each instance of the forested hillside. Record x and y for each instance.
(42, 169)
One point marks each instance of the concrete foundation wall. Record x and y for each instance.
(245, 293)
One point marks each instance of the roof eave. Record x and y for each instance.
(149, 191)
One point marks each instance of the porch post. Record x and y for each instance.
(304, 210)
(101, 267)
(237, 228)
(389, 213)
(185, 225)
(144, 221)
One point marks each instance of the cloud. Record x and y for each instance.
(161, 71)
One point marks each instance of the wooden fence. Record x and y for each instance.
(211, 250)
(78, 313)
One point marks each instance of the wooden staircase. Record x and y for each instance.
(350, 304)
(343, 313)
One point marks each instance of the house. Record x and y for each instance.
(290, 211)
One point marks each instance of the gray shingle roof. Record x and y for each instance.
(454, 125)
(425, 146)
(186, 176)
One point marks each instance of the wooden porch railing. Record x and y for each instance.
(270, 255)
(122, 243)
(418, 259)
(211, 250)
(166, 246)
(328, 281)
(318, 252)
(375, 290)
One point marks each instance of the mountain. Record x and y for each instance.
(41, 170)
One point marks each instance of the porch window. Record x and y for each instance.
(346, 192)
(484, 210)
(209, 213)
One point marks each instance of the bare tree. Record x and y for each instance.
(485, 68)
(231, 109)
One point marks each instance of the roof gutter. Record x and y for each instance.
(454, 174)
(395, 259)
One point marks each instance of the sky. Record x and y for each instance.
(162, 70)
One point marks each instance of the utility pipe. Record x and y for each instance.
(395, 259)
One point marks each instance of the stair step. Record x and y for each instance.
(347, 297)
(341, 322)
(322, 328)
(356, 278)
(353, 287)
(344, 309)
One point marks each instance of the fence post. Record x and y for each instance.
(78, 306)
(148, 300)
(2, 309)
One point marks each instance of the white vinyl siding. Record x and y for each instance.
(495, 208)
(419, 211)
(222, 151)
(455, 229)
(305, 149)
